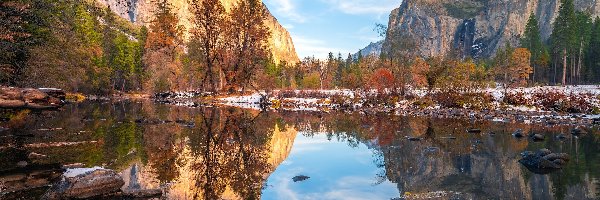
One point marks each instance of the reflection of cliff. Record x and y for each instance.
(478, 166)
(471, 167)
(281, 145)
(228, 155)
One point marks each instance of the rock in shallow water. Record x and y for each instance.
(518, 133)
(543, 161)
(85, 183)
(300, 178)
(537, 137)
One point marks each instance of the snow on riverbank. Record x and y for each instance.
(315, 100)
(594, 90)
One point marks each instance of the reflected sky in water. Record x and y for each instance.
(336, 171)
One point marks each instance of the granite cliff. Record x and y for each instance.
(475, 28)
(140, 12)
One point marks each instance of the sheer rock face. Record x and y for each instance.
(474, 28)
(140, 12)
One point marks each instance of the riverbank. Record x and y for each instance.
(549, 105)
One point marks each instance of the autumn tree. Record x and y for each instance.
(206, 44)
(458, 75)
(247, 44)
(419, 71)
(398, 55)
(437, 70)
(520, 67)
(382, 79)
(162, 49)
(13, 35)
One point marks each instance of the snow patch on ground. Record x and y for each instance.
(70, 173)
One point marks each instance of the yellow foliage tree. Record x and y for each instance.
(520, 67)
(419, 71)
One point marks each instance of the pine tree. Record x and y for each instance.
(564, 34)
(501, 63)
(593, 53)
(584, 32)
(532, 40)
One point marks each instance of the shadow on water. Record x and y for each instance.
(230, 153)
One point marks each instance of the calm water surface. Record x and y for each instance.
(229, 153)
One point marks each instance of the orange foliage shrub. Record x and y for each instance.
(382, 79)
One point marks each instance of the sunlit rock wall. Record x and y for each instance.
(140, 12)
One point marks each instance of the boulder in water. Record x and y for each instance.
(537, 137)
(543, 161)
(518, 133)
(300, 178)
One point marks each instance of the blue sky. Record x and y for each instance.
(322, 26)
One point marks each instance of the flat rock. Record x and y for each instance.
(84, 183)
(15, 98)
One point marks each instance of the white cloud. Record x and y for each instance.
(356, 7)
(288, 26)
(287, 9)
(306, 47)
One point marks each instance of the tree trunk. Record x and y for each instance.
(579, 62)
(533, 75)
(564, 75)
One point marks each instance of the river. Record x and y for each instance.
(232, 153)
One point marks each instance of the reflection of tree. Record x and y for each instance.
(231, 150)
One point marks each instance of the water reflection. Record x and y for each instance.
(228, 153)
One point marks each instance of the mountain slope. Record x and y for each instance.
(372, 49)
(474, 28)
(140, 12)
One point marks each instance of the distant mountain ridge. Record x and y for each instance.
(374, 48)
